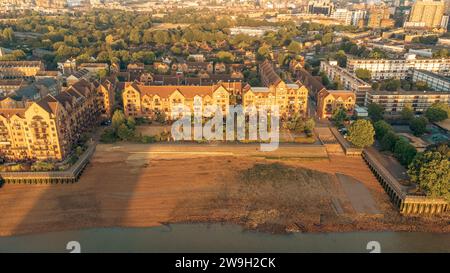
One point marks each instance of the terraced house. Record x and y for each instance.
(147, 100)
(47, 129)
(328, 101)
(105, 95)
(20, 69)
(291, 98)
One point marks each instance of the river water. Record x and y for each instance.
(220, 238)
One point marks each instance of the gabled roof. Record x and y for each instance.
(266, 69)
(343, 94)
(165, 91)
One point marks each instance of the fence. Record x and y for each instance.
(70, 175)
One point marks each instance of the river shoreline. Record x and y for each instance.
(127, 187)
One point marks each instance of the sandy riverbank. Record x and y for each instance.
(128, 187)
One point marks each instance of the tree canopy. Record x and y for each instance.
(361, 133)
(431, 171)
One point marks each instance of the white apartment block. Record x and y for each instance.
(251, 31)
(394, 102)
(347, 79)
(343, 15)
(434, 81)
(389, 68)
(349, 17)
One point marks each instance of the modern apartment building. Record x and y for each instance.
(434, 81)
(347, 79)
(324, 7)
(349, 17)
(47, 129)
(390, 68)
(427, 13)
(328, 101)
(379, 17)
(252, 31)
(20, 69)
(394, 102)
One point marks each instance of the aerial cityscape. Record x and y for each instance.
(243, 120)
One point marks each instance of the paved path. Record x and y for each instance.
(359, 196)
(284, 150)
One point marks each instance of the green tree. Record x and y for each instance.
(361, 133)
(309, 126)
(388, 141)
(123, 132)
(421, 85)
(404, 151)
(363, 74)
(381, 128)
(418, 125)
(431, 171)
(295, 47)
(264, 52)
(225, 56)
(161, 37)
(327, 38)
(407, 113)
(436, 114)
(135, 36)
(131, 123)
(441, 53)
(144, 56)
(443, 106)
(390, 85)
(375, 86)
(341, 58)
(8, 34)
(118, 119)
(376, 111)
(339, 116)
(79, 151)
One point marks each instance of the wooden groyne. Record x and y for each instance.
(408, 204)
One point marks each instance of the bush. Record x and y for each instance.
(148, 139)
(108, 136)
(124, 133)
(43, 166)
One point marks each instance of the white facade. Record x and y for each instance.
(434, 81)
(386, 69)
(347, 79)
(394, 102)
